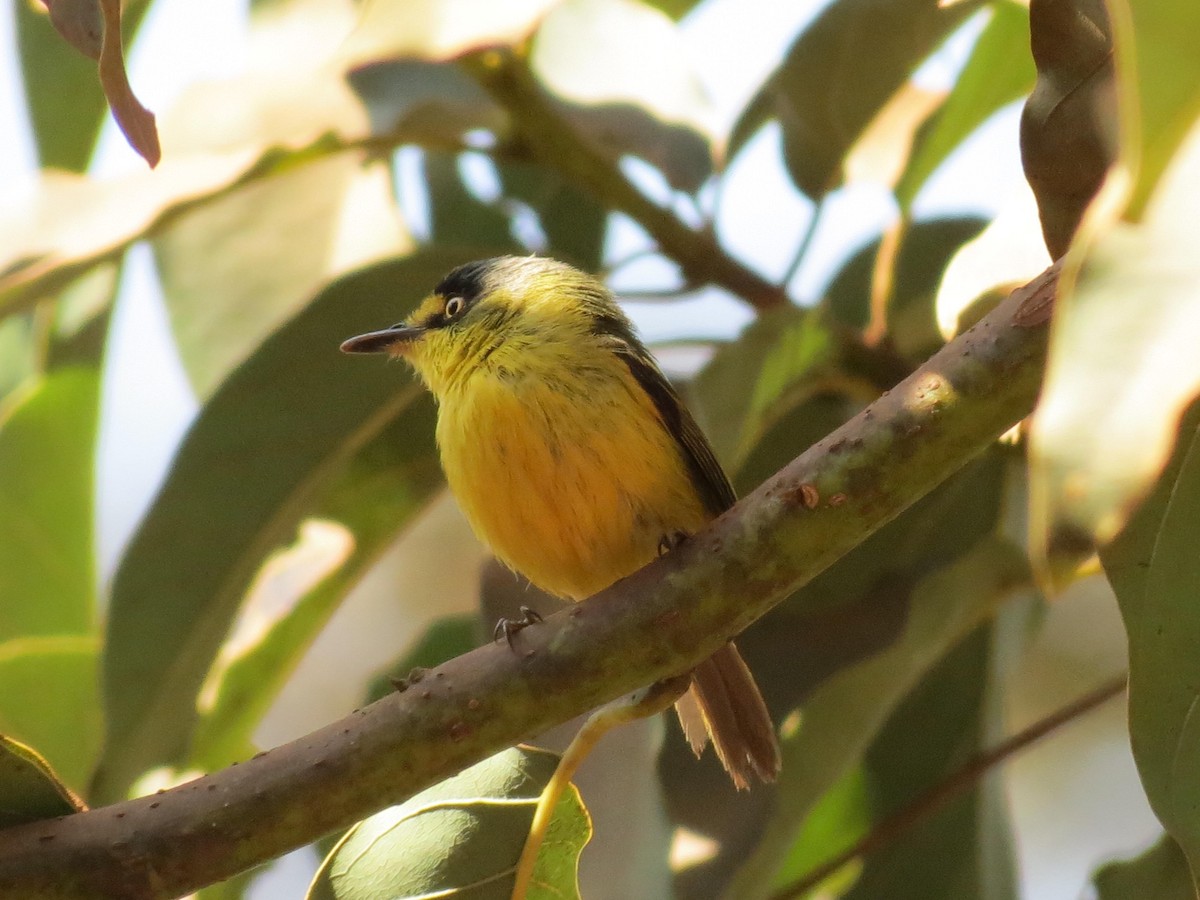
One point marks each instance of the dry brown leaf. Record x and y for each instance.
(135, 121)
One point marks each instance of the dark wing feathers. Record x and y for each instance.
(711, 482)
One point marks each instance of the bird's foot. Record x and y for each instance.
(669, 542)
(506, 628)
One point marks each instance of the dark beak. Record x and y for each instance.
(390, 339)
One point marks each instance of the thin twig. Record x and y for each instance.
(952, 786)
(806, 239)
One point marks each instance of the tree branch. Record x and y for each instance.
(691, 601)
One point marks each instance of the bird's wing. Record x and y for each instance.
(708, 476)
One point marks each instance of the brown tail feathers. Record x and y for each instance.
(724, 703)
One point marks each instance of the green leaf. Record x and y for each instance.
(626, 80)
(845, 617)
(837, 821)
(1152, 568)
(456, 215)
(29, 790)
(16, 354)
(49, 699)
(258, 458)
(427, 102)
(1068, 126)
(746, 386)
(926, 249)
(373, 500)
(47, 443)
(221, 265)
(838, 74)
(965, 850)
(843, 715)
(62, 87)
(444, 639)
(82, 314)
(573, 222)
(1007, 254)
(999, 71)
(1122, 366)
(1159, 82)
(1161, 872)
(462, 838)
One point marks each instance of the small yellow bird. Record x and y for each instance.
(572, 456)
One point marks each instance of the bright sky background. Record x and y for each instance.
(735, 43)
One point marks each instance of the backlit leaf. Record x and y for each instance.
(1152, 568)
(998, 72)
(49, 699)
(462, 838)
(29, 790)
(47, 443)
(839, 73)
(1122, 367)
(236, 268)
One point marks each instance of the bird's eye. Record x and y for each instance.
(454, 306)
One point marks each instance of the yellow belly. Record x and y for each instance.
(573, 487)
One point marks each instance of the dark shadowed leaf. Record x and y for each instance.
(47, 569)
(368, 504)
(29, 790)
(429, 102)
(851, 613)
(925, 250)
(841, 718)
(572, 221)
(80, 23)
(462, 838)
(1152, 568)
(1161, 872)
(456, 215)
(1068, 127)
(838, 74)
(964, 851)
(999, 71)
(754, 381)
(261, 453)
(49, 699)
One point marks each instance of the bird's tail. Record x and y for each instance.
(724, 703)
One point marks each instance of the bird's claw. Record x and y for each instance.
(506, 628)
(669, 542)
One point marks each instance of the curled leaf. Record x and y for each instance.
(135, 121)
(80, 23)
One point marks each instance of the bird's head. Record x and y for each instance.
(512, 315)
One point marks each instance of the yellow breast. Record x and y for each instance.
(573, 485)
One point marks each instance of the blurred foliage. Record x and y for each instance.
(369, 148)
